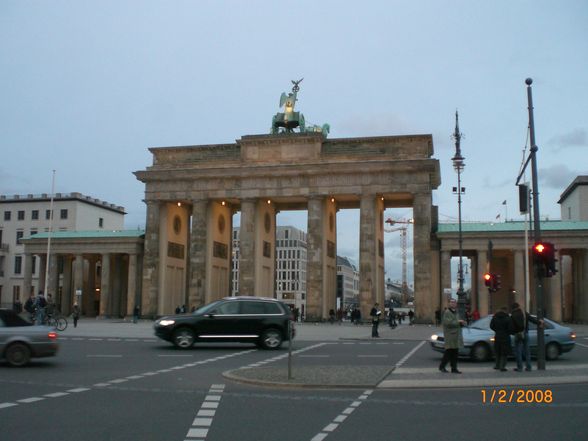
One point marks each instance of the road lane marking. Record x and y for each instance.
(410, 354)
(215, 390)
(103, 356)
(331, 427)
(30, 400)
(281, 357)
(205, 415)
(372, 356)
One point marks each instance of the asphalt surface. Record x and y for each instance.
(311, 367)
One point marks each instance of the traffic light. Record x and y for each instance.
(544, 255)
(488, 280)
(492, 281)
(497, 282)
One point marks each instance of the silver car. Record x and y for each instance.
(20, 340)
(478, 340)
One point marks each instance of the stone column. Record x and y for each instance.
(247, 248)
(150, 285)
(89, 298)
(422, 207)
(105, 286)
(28, 276)
(116, 286)
(483, 307)
(66, 301)
(198, 250)
(519, 277)
(79, 277)
(42, 272)
(53, 285)
(132, 285)
(368, 250)
(315, 257)
(445, 275)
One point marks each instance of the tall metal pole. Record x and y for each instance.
(458, 164)
(537, 231)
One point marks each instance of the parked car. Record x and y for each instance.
(20, 340)
(478, 340)
(260, 320)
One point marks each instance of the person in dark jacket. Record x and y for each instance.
(375, 315)
(501, 325)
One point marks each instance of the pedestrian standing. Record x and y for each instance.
(501, 325)
(76, 314)
(437, 317)
(135, 313)
(453, 337)
(392, 317)
(411, 317)
(40, 305)
(375, 314)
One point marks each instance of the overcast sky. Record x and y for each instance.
(88, 86)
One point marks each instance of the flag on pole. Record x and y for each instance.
(498, 216)
(504, 202)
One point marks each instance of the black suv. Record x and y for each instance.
(263, 321)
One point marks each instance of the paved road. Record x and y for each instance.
(134, 388)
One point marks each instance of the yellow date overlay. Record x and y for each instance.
(517, 396)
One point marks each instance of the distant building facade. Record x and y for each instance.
(22, 216)
(347, 284)
(574, 200)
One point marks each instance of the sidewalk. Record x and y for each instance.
(353, 376)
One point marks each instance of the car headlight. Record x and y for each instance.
(166, 322)
(434, 337)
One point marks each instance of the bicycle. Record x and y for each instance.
(56, 321)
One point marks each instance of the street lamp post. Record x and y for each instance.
(458, 165)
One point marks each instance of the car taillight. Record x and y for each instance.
(52, 335)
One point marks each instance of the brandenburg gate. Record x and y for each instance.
(192, 193)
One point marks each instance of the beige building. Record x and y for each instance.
(192, 193)
(22, 216)
(574, 200)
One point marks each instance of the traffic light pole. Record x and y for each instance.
(536, 232)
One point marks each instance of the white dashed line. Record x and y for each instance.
(212, 398)
(30, 400)
(205, 415)
(103, 356)
(5, 405)
(331, 427)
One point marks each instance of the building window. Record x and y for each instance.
(63, 213)
(19, 235)
(34, 269)
(21, 214)
(100, 222)
(17, 264)
(47, 214)
(35, 215)
(7, 215)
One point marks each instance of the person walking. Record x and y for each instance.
(392, 317)
(375, 315)
(501, 325)
(453, 337)
(75, 314)
(437, 317)
(40, 305)
(411, 317)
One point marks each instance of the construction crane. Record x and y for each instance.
(403, 248)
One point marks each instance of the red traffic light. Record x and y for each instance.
(539, 248)
(488, 279)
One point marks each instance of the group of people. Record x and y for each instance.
(516, 324)
(503, 325)
(40, 308)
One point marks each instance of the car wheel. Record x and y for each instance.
(18, 354)
(480, 352)
(183, 338)
(271, 339)
(552, 351)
